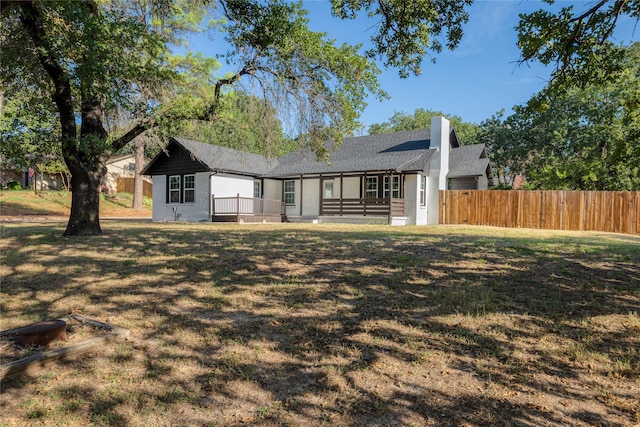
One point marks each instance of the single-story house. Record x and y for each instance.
(388, 178)
(34, 177)
(119, 166)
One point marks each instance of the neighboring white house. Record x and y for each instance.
(388, 178)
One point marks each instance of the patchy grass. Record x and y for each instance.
(330, 325)
(58, 203)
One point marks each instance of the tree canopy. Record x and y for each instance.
(421, 119)
(245, 123)
(578, 43)
(585, 138)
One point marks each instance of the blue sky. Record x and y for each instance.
(474, 81)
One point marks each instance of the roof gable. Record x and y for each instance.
(208, 157)
(174, 159)
(468, 160)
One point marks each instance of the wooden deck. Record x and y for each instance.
(246, 209)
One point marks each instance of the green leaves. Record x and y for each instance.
(577, 43)
(408, 30)
(421, 119)
(584, 138)
(321, 87)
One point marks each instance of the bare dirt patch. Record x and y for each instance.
(331, 325)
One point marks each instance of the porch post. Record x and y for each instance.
(238, 207)
(321, 188)
(213, 206)
(300, 195)
(390, 178)
(364, 190)
(341, 187)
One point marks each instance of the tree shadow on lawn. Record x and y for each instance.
(17, 209)
(351, 328)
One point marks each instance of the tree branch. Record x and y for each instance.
(133, 133)
(32, 21)
(589, 12)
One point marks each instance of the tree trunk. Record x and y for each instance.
(138, 182)
(87, 167)
(85, 198)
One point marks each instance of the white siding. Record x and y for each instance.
(311, 197)
(272, 189)
(159, 211)
(416, 214)
(197, 211)
(351, 188)
(231, 186)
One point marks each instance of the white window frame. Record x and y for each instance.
(396, 186)
(328, 187)
(191, 190)
(173, 190)
(289, 194)
(423, 190)
(257, 189)
(371, 188)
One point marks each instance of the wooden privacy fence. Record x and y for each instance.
(610, 211)
(125, 185)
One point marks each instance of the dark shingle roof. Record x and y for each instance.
(467, 160)
(227, 159)
(401, 151)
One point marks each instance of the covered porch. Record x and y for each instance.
(252, 209)
(363, 211)
(362, 207)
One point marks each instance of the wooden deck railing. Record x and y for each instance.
(228, 207)
(365, 207)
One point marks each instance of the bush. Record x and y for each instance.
(502, 186)
(14, 185)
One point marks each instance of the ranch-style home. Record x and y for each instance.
(389, 178)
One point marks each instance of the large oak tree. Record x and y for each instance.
(95, 59)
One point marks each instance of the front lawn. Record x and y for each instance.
(334, 325)
(16, 203)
